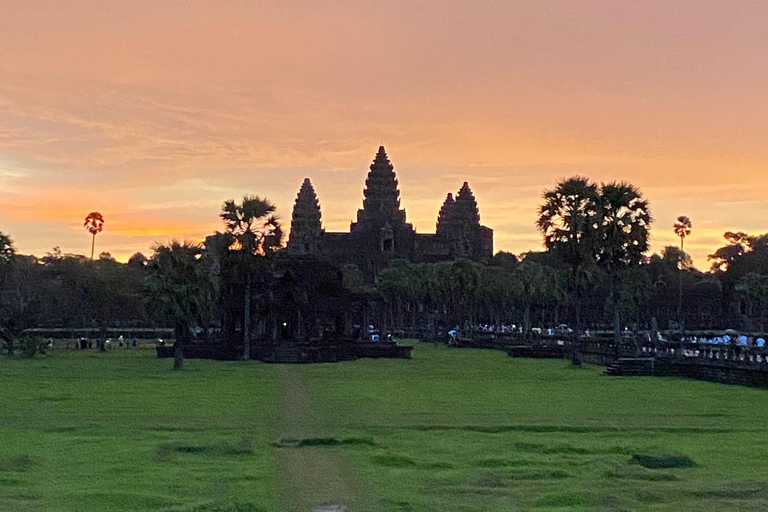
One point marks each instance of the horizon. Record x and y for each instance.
(154, 116)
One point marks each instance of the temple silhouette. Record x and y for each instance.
(381, 232)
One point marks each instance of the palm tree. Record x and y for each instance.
(94, 223)
(682, 229)
(568, 221)
(180, 290)
(256, 230)
(624, 225)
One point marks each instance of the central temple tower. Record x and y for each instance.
(381, 232)
(381, 225)
(381, 197)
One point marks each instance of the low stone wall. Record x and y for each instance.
(724, 364)
(724, 372)
(303, 353)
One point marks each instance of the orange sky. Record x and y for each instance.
(154, 113)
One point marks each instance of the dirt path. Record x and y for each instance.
(312, 476)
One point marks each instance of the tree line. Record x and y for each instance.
(594, 273)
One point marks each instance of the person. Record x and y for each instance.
(760, 342)
(135, 341)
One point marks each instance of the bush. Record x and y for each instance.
(31, 346)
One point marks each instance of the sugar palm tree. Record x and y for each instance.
(682, 229)
(568, 221)
(94, 223)
(256, 231)
(624, 226)
(180, 290)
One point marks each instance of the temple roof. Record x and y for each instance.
(444, 216)
(306, 218)
(465, 208)
(381, 192)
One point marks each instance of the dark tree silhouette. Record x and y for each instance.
(180, 290)
(587, 225)
(94, 223)
(624, 226)
(568, 219)
(682, 229)
(257, 231)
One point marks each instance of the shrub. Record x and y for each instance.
(31, 346)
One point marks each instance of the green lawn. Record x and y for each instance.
(452, 429)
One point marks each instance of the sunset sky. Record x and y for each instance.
(154, 113)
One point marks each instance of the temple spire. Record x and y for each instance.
(446, 211)
(381, 192)
(465, 209)
(305, 221)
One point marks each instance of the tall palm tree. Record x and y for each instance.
(256, 230)
(682, 229)
(624, 226)
(568, 219)
(180, 290)
(94, 223)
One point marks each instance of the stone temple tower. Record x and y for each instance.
(381, 202)
(381, 225)
(381, 233)
(305, 221)
(444, 216)
(458, 223)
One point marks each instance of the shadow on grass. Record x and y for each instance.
(323, 441)
(747, 490)
(399, 461)
(663, 461)
(166, 451)
(500, 429)
(571, 450)
(18, 463)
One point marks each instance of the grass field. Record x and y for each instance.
(452, 429)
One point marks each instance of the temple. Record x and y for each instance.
(381, 232)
